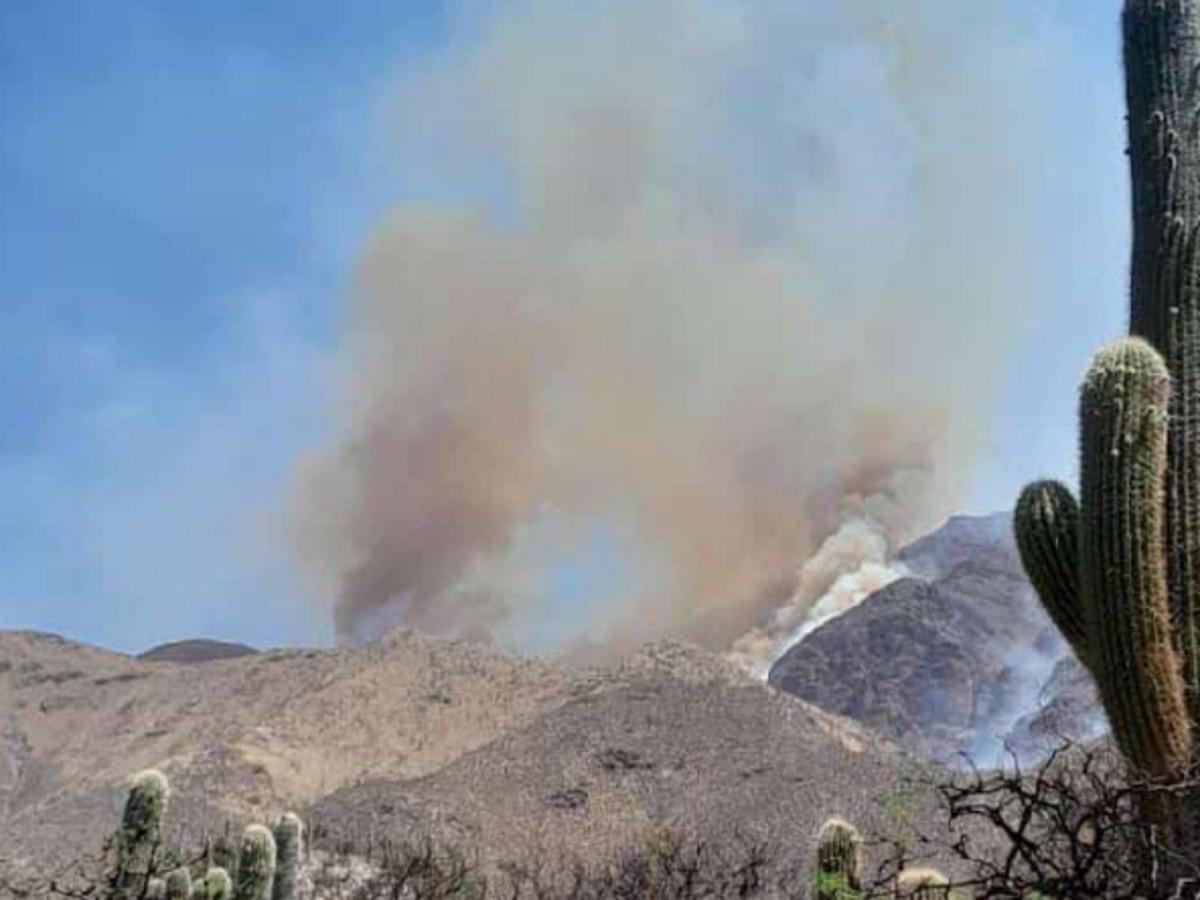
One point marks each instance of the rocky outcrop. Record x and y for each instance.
(958, 658)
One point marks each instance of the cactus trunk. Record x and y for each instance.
(1162, 84)
(1133, 612)
(1162, 61)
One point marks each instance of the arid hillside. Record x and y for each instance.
(413, 735)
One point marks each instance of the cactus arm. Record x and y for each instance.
(1123, 414)
(1162, 77)
(1046, 525)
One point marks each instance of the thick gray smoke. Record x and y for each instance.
(738, 287)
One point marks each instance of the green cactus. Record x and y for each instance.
(178, 884)
(1106, 586)
(256, 864)
(921, 883)
(215, 885)
(1120, 575)
(156, 889)
(136, 842)
(289, 851)
(839, 861)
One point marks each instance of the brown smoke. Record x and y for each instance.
(742, 288)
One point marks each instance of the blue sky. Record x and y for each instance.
(186, 189)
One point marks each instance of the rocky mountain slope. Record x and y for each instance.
(413, 735)
(958, 657)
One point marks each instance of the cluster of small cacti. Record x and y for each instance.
(265, 865)
(839, 869)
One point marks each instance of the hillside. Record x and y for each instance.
(443, 737)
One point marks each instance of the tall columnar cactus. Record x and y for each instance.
(136, 841)
(289, 851)
(839, 861)
(1120, 572)
(256, 864)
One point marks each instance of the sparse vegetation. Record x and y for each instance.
(1071, 828)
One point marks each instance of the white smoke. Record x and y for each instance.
(850, 564)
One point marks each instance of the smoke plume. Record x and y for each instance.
(729, 295)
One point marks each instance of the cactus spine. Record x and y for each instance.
(137, 839)
(289, 850)
(256, 864)
(839, 861)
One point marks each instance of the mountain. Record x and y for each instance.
(416, 735)
(956, 658)
(196, 651)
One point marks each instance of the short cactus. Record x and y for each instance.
(215, 885)
(256, 864)
(289, 852)
(136, 841)
(178, 884)
(922, 883)
(156, 889)
(839, 861)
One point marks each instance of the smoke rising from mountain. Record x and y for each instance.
(735, 283)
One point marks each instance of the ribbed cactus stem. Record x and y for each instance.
(1046, 523)
(1123, 412)
(289, 852)
(256, 864)
(1162, 58)
(216, 885)
(839, 861)
(178, 884)
(922, 883)
(136, 842)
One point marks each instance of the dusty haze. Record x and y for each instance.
(720, 324)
